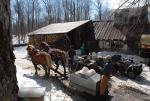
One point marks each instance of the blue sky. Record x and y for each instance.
(111, 4)
(106, 4)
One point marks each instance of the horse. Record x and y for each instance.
(56, 54)
(40, 58)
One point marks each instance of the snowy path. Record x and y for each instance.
(125, 89)
(26, 78)
(142, 82)
(122, 88)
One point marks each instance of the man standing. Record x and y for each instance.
(105, 79)
(71, 54)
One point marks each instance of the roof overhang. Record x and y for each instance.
(59, 28)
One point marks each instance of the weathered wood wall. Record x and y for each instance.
(82, 34)
(49, 38)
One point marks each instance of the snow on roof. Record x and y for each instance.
(59, 28)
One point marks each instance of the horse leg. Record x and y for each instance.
(45, 68)
(35, 66)
(57, 64)
(69, 65)
(64, 66)
(49, 65)
(48, 71)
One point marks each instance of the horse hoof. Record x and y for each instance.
(36, 73)
(65, 77)
(55, 70)
(46, 76)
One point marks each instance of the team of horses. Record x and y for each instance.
(45, 56)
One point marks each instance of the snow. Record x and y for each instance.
(15, 40)
(26, 78)
(136, 59)
(54, 89)
(141, 83)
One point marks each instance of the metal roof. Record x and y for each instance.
(106, 31)
(59, 28)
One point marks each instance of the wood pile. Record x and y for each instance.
(37, 39)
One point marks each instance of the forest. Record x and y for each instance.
(29, 15)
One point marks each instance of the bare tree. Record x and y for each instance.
(65, 4)
(98, 5)
(75, 10)
(33, 14)
(8, 80)
(87, 9)
(49, 9)
(21, 21)
(57, 11)
(37, 14)
(18, 18)
(28, 14)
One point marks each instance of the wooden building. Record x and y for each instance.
(61, 35)
(133, 21)
(108, 35)
(145, 45)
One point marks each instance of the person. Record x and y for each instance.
(82, 49)
(71, 54)
(105, 79)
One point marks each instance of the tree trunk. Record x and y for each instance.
(8, 80)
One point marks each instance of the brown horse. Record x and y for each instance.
(40, 58)
(56, 54)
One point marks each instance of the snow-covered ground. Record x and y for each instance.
(122, 88)
(26, 78)
(15, 40)
(141, 84)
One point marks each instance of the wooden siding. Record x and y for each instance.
(77, 36)
(37, 39)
